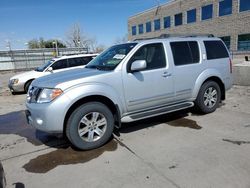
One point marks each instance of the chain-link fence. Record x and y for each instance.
(28, 59)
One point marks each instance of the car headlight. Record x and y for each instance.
(14, 81)
(48, 95)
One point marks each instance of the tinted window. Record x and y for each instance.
(191, 16)
(86, 60)
(185, 52)
(215, 50)
(140, 28)
(244, 42)
(244, 5)
(148, 27)
(157, 24)
(134, 30)
(167, 22)
(153, 54)
(178, 19)
(207, 12)
(61, 64)
(225, 7)
(73, 62)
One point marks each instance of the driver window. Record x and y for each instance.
(153, 54)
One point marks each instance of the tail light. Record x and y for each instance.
(231, 66)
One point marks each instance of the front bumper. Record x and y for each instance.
(48, 117)
(16, 87)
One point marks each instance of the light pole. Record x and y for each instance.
(55, 42)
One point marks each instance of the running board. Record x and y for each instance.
(156, 111)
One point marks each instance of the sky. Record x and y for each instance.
(104, 20)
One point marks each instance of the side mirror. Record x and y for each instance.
(138, 65)
(50, 69)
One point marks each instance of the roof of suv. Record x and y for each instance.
(175, 38)
(74, 56)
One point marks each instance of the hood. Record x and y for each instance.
(66, 79)
(25, 75)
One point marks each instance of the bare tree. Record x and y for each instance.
(76, 38)
(120, 40)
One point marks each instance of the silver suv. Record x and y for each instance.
(129, 82)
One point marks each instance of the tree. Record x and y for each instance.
(75, 37)
(41, 43)
(120, 40)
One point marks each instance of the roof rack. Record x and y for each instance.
(163, 36)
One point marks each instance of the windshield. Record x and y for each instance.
(110, 58)
(44, 66)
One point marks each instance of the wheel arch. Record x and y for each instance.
(30, 80)
(95, 98)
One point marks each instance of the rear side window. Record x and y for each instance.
(61, 64)
(185, 52)
(215, 50)
(86, 60)
(73, 62)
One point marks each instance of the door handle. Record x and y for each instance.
(166, 74)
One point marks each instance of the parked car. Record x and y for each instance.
(2, 177)
(21, 82)
(129, 82)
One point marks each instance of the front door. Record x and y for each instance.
(150, 87)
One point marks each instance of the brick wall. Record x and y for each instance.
(230, 25)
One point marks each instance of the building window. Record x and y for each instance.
(140, 28)
(244, 42)
(207, 12)
(178, 19)
(167, 22)
(226, 40)
(191, 16)
(225, 7)
(148, 27)
(244, 5)
(133, 30)
(157, 24)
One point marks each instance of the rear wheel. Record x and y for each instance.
(208, 98)
(90, 126)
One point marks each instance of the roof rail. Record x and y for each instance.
(163, 36)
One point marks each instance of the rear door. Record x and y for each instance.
(187, 67)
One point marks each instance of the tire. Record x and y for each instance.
(27, 85)
(94, 121)
(208, 98)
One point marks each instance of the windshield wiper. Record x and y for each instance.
(99, 67)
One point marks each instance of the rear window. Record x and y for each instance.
(185, 52)
(215, 50)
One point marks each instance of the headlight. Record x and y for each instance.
(14, 81)
(48, 95)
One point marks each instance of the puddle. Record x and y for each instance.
(237, 142)
(15, 123)
(66, 156)
(183, 122)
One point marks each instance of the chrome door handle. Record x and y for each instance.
(166, 74)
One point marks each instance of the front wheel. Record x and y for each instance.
(208, 98)
(90, 126)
